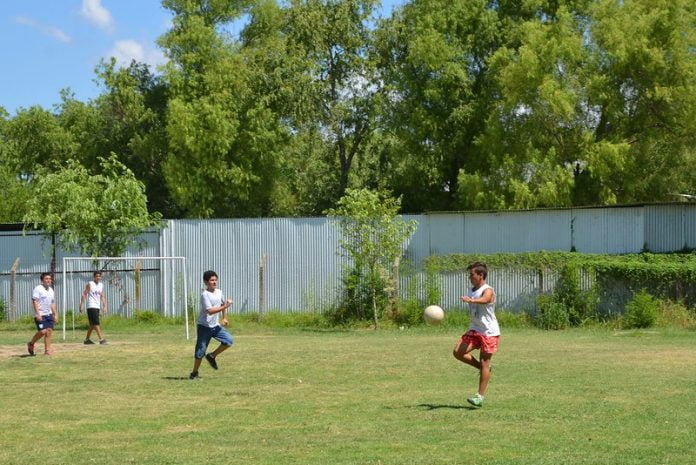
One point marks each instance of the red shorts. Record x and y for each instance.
(487, 344)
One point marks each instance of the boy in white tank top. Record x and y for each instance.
(96, 303)
(484, 331)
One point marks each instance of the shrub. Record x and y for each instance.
(147, 316)
(641, 311)
(675, 315)
(513, 320)
(3, 310)
(552, 313)
(579, 304)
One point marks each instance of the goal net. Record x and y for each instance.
(131, 284)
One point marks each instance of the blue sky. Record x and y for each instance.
(49, 45)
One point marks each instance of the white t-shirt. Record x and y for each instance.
(94, 295)
(483, 318)
(208, 300)
(45, 298)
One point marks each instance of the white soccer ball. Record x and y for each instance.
(433, 315)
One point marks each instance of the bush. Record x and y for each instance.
(579, 304)
(641, 311)
(3, 310)
(513, 320)
(552, 314)
(293, 320)
(147, 316)
(675, 315)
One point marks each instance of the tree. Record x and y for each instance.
(314, 64)
(132, 115)
(373, 240)
(13, 191)
(99, 215)
(223, 139)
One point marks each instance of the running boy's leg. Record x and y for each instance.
(48, 347)
(204, 334)
(225, 339)
(462, 351)
(485, 373)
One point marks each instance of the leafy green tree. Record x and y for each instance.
(316, 68)
(132, 115)
(223, 138)
(596, 103)
(434, 60)
(37, 140)
(13, 190)
(99, 215)
(373, 239)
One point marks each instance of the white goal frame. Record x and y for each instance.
(65, 287)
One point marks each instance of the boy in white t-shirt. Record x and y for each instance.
(96, 303)
(45, 314)
(212, 304)
(484, 331)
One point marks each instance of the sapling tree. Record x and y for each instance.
(373, 239)
(96, 214)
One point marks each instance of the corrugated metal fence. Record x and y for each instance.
(303, 265)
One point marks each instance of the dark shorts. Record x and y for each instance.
(205, 334)
(93, 316)
(47, 322)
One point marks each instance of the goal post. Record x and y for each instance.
(169, 278)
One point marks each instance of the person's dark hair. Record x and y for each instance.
(43, 275)
(479, 268)
(209, 274)
(96, 273)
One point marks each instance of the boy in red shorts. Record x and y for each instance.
(483, 333)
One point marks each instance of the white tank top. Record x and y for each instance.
(94, 296)
(483, 318)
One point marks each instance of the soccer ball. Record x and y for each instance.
(433, 315)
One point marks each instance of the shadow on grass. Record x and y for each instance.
(448, 406)
(177, 378)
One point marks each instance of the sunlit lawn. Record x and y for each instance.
(291, 396)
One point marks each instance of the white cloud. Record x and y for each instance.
(128, 50)
(95, 13)
(44, 29)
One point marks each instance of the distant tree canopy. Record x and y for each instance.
(449, 104)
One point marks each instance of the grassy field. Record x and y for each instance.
(292, 396)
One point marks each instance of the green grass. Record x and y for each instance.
(293, 396)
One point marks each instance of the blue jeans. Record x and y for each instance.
(204, 336)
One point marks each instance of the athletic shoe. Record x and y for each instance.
(212, 361)
(476, 401)
(194, 376)
(88, 342)
(30, 348)
(103, 342)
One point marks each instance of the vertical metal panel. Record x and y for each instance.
(302, 269)
(34, 252)
(446, 233)
(517, 231)
(670, 227)
(608, 230)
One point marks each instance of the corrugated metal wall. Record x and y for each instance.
(303, 265)
(34, 252)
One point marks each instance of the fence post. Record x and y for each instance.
(13, 291)
(262, 287)
(138, 288)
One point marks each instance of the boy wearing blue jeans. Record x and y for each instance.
(212, 304)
